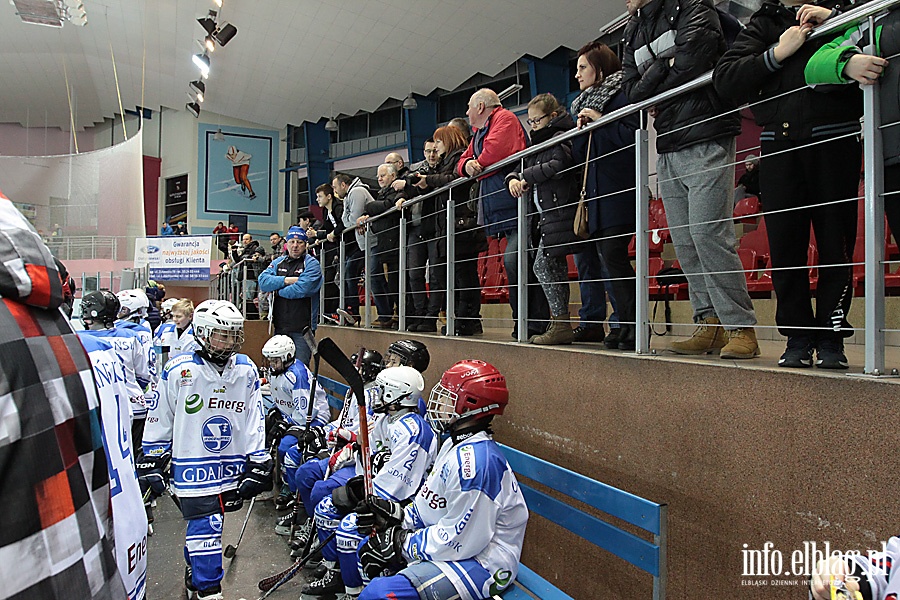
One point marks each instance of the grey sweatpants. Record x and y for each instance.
(697, 186)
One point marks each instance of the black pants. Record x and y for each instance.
(389, 260)
(416, 257)
(892, 202)
(614, 251)
(799, 178)
(332, 292)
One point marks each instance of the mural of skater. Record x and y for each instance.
(237, 173)
(241, 162)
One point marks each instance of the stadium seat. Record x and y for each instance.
(747, 210)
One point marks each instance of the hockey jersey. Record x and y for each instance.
(212, 423)
(137, 373)
(129, 518)
(143, 332)
(413, 446)
(469, 507)
(290, 393)
(348, 418)
(167, 336)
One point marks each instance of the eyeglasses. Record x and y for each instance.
(537, 120)
(432, 151)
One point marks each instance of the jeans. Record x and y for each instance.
(593, 281)
(538, 310)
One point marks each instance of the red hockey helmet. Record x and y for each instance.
(469, 389)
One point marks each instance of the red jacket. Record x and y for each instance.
(505, 136)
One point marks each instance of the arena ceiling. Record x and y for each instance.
(291, 60)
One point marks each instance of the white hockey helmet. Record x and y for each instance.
(218, 328)
(134, 304)
(165, 309)
(398, 387)
(278, 353)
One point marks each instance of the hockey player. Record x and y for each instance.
(462, 535)
(290, 383)
(863, 576)
(210, 422)
(114, 385)
(176, 336)
(315, 479)
(404, 448)
(165, 311)
(133, 317)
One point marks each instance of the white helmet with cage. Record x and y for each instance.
(165, 308)
(218, 328)
(399, 387)
(134, 304)
(279, 353)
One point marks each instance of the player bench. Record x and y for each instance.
(335, 390)
(644, 514)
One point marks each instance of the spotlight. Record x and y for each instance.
(195, 98)
(200, 88)
(209, 44)
(193, 108)
(208, 22)
(218, 3)
(223, 34)
(202, 62)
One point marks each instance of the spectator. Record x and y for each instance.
(233, 230)
(305, 221)
(609, 186)
(470, 240)
(246, 249)
(549, 182)
(399, 164)
(155, 293)
(355, 194)
(295, 280)
(463, 126)
(498, 135)
(56, 500)
(328, 235)
(279, 245)
(221, 240)
(57, 231)
(748, 183)
(387, 228)
(166, 229)
(696, 149)
(180, 229)
(813, 155)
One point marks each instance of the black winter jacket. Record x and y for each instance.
(555, 182)
(468, 245)
(386, 228)
(749, 72)
(331, 223)
(668, 43)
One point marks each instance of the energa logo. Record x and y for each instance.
(193, 404)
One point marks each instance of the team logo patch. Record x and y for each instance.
(216, 433)
(467, 462)
(193, 404)
(215, 521)
(151, 399)
(186, 373)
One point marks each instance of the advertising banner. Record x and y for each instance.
(175, 258)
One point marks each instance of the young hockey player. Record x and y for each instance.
(210, 422)
(176, 336)
(404, 447)
(864, 576)
(165, 311)
(133, 317)
(290, 383)
(114, 386)
(462, 535)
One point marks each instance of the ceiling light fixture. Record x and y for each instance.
(218, 136)
(199, 87)
(209, 44)
(195, 97)
(410, 103)
(193, 108)
(218, 3)
(331, 124)
(509, 91)
(202, 62)
(208, 23)
(223, 34)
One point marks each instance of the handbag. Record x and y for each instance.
(581, 211)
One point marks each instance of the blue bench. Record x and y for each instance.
(644, 514)
(335, 390)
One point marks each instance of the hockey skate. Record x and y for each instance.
(301, 535)
(285, 499)
(287, 523)
(329, 585)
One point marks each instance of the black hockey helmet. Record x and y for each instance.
(371, 364)
(102, 306)
(411, 353)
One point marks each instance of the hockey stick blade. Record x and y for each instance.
(333, 355)
(270, 584)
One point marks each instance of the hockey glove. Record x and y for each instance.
(379, 514)
(151, 473)
(315, 441)
(231, 500)
(348, 498)
(342, 457)
(257, 478)
(275, 425)
(383, 552)
(298, 431)
(379, 459)
(340, 437)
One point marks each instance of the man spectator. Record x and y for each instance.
(387, 254)
(57, 525)
(695, 165)
(305, 221)
(498, 134)
(180, 229)
(246, 249)
(295, 279)
(233, 230)
(463, 126)
(278, 244)
(166, 229)
(398, 163)
(355, 194)
(328, 235)
(221, 240)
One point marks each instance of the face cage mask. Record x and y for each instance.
(283, 364)
(441, 409)
(229, 341)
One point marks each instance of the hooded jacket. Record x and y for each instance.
(355, 207)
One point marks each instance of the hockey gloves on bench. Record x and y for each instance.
(151, 473)
(383, 552)
(315, 441)
(257, 478)
(379, 514)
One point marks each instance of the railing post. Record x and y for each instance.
(522, 263)
(367, 320)
(342, 272)
(245, 289)
(642, 244)
(451, 264)
(401, 274)
(873, 159)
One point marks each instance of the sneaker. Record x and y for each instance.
(330, 584)
(611, 341)
(830, 355)
(349, 318)
(590, 334)
(798, 354)
(708, 338)
(741, 343)
(332, 319)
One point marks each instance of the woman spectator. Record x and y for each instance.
(610, 180)
(470, 239)
(549, 179)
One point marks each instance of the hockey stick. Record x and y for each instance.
(230, 550)
(314, 347)
(270, 584)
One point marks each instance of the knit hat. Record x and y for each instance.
(296, 233)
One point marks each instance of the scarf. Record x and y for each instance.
(598, 96)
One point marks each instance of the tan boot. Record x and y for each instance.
(741, 343)
(708, 338)
(560, 332)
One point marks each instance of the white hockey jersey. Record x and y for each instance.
(129, 518)
(413, 446)
(143, 332)
(348, 418)
(167, 336)
(290, 394)
(469, 507)
(128, 348)
(211, 422)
